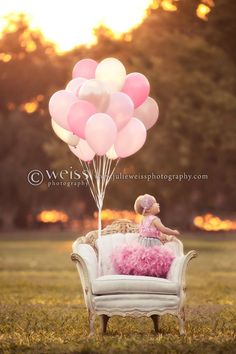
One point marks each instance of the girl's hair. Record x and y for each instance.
(143, 203)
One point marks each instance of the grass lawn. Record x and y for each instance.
(42, 308)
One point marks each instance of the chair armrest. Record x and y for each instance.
(85, 255)
(86, 262)
(178, 268)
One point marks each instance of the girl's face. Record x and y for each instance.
(155, 209)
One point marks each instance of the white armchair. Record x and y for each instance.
(107, 294)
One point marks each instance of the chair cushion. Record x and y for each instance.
(115, 284)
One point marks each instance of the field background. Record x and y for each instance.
(42, 307)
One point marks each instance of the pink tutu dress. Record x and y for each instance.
(147, 257)
(149, 235)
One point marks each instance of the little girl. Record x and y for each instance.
(147, 257)
(152, 231)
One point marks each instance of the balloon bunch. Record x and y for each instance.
(103, 115)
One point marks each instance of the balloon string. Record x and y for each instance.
(104, 163)
(97, 168)
(99, 171)
(112, 172)
(107, 173)
(91, 184)
(103, 176)
(96, 172)
(87, 166)
(99, 176)
(104, 173)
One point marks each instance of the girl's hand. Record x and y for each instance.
(177, 233)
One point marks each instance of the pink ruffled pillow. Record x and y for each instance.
(139, 260)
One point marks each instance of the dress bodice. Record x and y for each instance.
(146, 229)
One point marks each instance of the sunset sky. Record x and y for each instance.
(69, 23)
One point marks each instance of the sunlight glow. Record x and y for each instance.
(72, 22)
(209, 222)
(27, 43)
(168, 6)
(202, 11)
(52, 216)
(29, 107)
(5, 57)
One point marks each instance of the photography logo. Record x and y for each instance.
(71, 177)
(64, 178)
(35, 177)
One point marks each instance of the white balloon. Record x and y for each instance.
(112, 72)
(111, 153)
(65, 135)
(74, 85)
(95, 92)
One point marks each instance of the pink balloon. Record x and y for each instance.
(82, 150)
(100, 132)
(137, 87)
(74, 85)
(59, 106)
(78, 115)
(85, 68)
(131, 138)
(121, 108)
(148, 112)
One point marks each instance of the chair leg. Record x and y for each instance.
(181, 318)
(103, 323)
(91, 323)
(156, 322)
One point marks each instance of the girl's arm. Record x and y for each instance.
(165, 230)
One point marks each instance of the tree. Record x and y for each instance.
(221, 26)
(30, 71)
